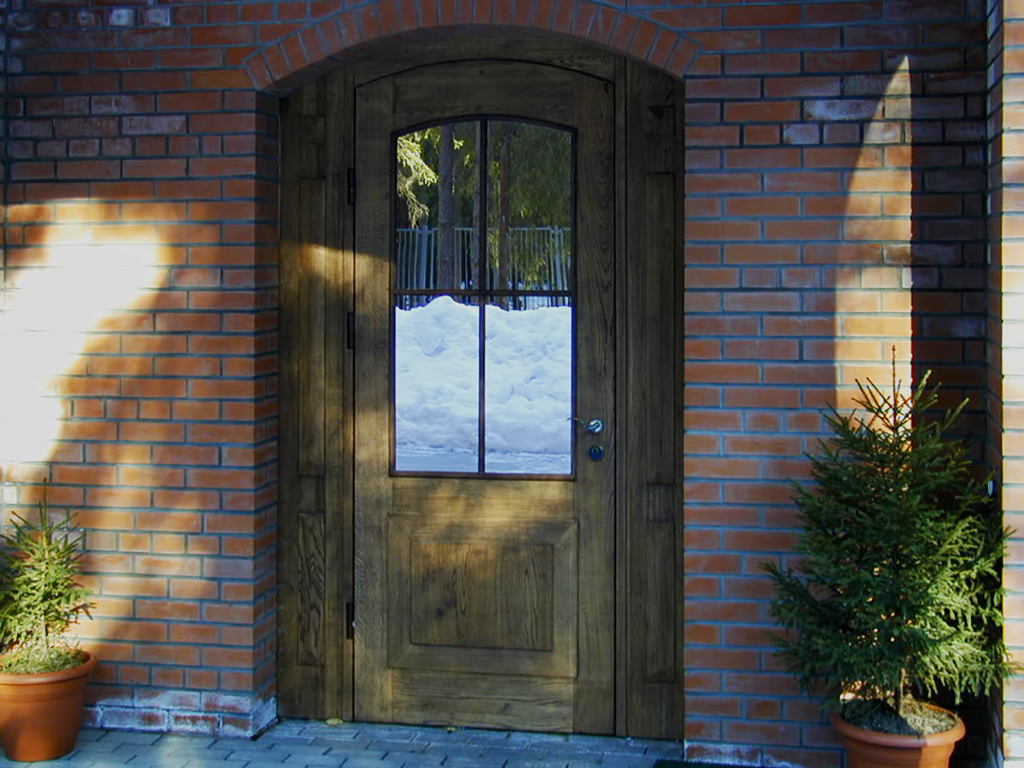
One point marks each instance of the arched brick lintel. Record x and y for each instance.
(284, 64)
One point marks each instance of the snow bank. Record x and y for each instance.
(527, 391)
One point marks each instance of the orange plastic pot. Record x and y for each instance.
(870, 749)
(40, 715)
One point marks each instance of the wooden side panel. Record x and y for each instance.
(660, 307)
(374, 109)
(652, 678)
(310, 341)
(339, 268)
(314, 542)
(595, 398)
(659, 582)
(311, 616)
(300, 571)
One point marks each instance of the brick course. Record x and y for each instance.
(850, 165)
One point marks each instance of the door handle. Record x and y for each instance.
(594, 426)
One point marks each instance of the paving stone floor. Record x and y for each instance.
(312, 744)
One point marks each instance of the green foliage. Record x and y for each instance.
(537, 182)
(414, 171)
(899, 586)
(541, 194)
(418, 183)
(540, 184)
(40, 597)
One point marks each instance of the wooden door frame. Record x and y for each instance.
(316, 445)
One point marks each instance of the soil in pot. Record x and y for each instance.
(871, 749)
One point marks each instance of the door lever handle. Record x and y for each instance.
(594, 426)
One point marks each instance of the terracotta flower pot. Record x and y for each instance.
(40, 715)
(871, 749)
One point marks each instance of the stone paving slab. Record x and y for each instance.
(315, 744)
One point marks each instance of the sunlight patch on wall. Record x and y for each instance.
(874, 302)
(51, 306)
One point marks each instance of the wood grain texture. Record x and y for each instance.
(661, 662)
(652, 494)
(483, 88)
(595, 398)
(660, 297)
(372, 486)
(484, 701)
(476, 595)
(339, 228)
(311, 590)
(312, 300)
(315, 562)
(299, 661)
(494, 499)
(482, 641)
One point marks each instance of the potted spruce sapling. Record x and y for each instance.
(43, 674)
(897, 592)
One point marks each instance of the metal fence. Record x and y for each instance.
(540, 259)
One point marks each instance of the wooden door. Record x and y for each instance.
(316, 551)
(485, 599)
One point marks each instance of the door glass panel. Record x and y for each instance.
(437, 208)
(492, 393)
(529, 207)
(528, 370)
(437, 384)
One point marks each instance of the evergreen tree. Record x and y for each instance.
(898, 589)
(40, 597)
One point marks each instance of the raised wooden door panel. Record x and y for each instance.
(484, 600)
(494, 597)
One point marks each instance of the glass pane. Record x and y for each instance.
(442, 281)
(437, 384)
(529, 207)
(528, 390)
(437, 208)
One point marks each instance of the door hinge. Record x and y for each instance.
(350, 330)
(350, 620)
(350, 178)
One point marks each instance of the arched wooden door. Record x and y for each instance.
(544, 599)
(486, 592)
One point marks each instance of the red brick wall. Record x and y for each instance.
(836, 201)
(1006, 340)
(131, 123)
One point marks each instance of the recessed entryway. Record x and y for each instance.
(475, 584)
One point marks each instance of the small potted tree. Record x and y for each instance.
(897, 591)
(42, 675)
